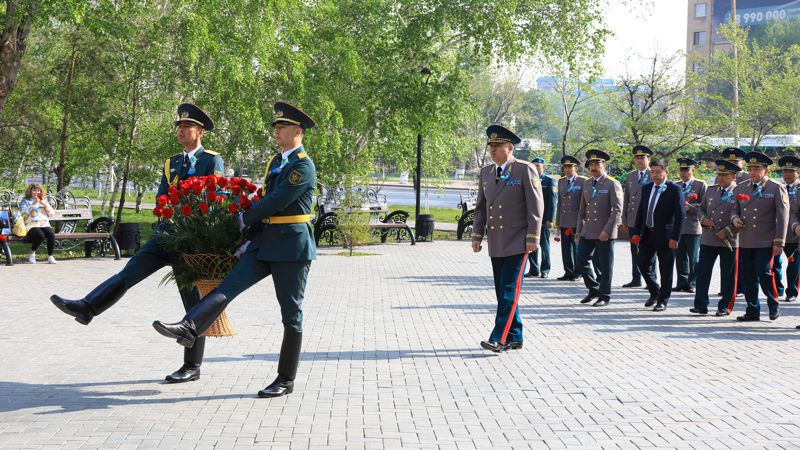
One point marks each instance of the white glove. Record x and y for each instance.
(240, 251)
(240, 221)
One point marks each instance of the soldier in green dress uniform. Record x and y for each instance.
(191, 124)
(281, 245)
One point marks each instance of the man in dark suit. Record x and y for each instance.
(658, 229)
(549, 191)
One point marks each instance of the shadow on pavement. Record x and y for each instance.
(366, 355)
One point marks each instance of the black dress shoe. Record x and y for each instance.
(650, 301)
(721, 313)
(797, 327)
(632, 284)
(513, 345)
(702, 311)
(678, 288)
(790, 299)
(564, 277)
(545, 275)
(493, 346)
(531, 274)
(601, 302)
(280, 387)
(660, 307)
(775, 314)
(574, 278)
(690, 290)
(748, 318)
(588, 298)
(184, 374)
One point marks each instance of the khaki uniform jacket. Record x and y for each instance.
(509, 211)
(742, 176)
(632, 200)
(792, 190)
(765, 218)
(569, 201)
(691, 225)
(715, 208)
(602, 210)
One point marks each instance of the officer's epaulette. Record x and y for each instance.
(302, 155)
(211, 152)
(611, 178)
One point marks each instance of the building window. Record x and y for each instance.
(700, 11)
(700, 38)
(697, 67)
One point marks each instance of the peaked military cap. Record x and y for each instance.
(724, 166)
(686, 163)
(499, 134)
(539, 160)
(642, 150)
(757, 159)
(188, 113)
(596, 155)
(291, 115)
(733, 154)
(570, 161)
(789, 162)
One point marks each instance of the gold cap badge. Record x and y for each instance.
(184, 115)
(279, 113)
(494, 136)
(753, 160)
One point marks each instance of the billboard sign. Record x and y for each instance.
(753, 13)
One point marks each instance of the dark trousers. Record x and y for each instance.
(636, 274)
(777, 269)
(686, 259)
(544, 250)
(792, 270)
(757, 271)
(602, 254)
(507, 272)
(38, 234)
(569, 253)
(289, 279)
(705, 267)
(649, 249)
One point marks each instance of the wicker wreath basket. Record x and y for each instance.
(213, 269)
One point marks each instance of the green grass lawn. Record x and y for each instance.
(442, 215)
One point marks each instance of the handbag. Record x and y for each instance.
(18, 229)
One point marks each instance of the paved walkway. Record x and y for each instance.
(391, 360)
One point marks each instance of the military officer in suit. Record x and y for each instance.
(570, 187)
(549, 191)
(630, 206)
(689, 245)
(789, 166)
(281, 244)
(658, 228)
(599, 215)
(761, 214)
(719, 238)
(509, 214)
(191, 124)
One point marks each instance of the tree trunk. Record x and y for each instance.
(64, 138)
(113, 200)
(139, 196)
(111, 181)
(127, 170)
(13, 42)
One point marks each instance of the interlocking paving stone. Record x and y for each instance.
(391, 359)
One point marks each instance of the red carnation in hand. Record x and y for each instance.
(557, 239)
(792, 259)
(175, 198)
(186, 210)
(255, 199)
(743, 197)
(635, 240)
(3, 238)
(233, 208)
(236, 189)
(222, 182)
(245, 203)
(569, 232)
(203, 207)
(167, 213)
(158, 211)
(251, 187)
(211, 196)
(162, 200)
(692, 197)
(261, 192)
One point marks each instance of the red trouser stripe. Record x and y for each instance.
(516, 299)
(735, 280)
(772, 273)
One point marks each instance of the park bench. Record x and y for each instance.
(382, 221)
(465, 220)
(69, 213)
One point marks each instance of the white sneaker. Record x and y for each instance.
(51, 260)
(32, 257)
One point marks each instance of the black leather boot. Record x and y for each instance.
(287, 365)
(97, 301)
(196, 321)
(192, 358)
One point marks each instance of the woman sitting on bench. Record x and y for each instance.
(36, 213)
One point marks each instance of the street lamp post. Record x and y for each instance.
(427, 72)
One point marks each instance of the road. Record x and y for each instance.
(446, 198)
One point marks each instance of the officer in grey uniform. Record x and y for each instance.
(550, 194)
(736, 156)
(761, 214)
(688, 252)
(570, 187)
(599, 215)
(509, 213)
(191, 124)
(719, 238)
(630, 207)
(789, 166)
